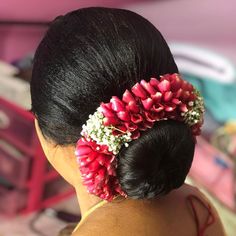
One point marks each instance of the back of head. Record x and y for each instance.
(90, 55)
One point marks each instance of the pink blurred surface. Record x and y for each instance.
(207, 23)
(218, 180)
(17, 41)
(47, 10)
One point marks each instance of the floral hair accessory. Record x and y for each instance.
(115, 124)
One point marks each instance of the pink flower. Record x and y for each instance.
(106, 110)
(138, 110)
(132, 107)
(147, 103)
(116, 104)
(97, 167)
(128, 97)
(164, 85)
(138, 91)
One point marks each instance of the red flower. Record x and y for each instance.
(97, 166)
(140, 107)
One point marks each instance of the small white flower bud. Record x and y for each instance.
(191, 103)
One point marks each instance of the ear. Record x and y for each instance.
(62, 158)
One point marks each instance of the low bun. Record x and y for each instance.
(157, 162)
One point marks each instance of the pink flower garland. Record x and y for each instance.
(168, 98)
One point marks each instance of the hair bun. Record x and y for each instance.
(157, 162)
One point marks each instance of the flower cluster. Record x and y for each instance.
(103, 135)
(194, 116)
(97, 166)
(120, 121)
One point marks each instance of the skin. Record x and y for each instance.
(62, 158)
(164, 216)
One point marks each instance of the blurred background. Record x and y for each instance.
(34, 200)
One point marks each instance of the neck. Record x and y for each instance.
(86, 200)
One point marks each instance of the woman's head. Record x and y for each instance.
(90, 55)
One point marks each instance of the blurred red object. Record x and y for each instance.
(23, 165)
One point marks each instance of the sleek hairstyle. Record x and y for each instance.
(90, 55)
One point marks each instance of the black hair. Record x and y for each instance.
(159, 161)
(90, 55)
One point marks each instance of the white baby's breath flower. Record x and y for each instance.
(97, 131)
(194, 115)
(191, 103)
